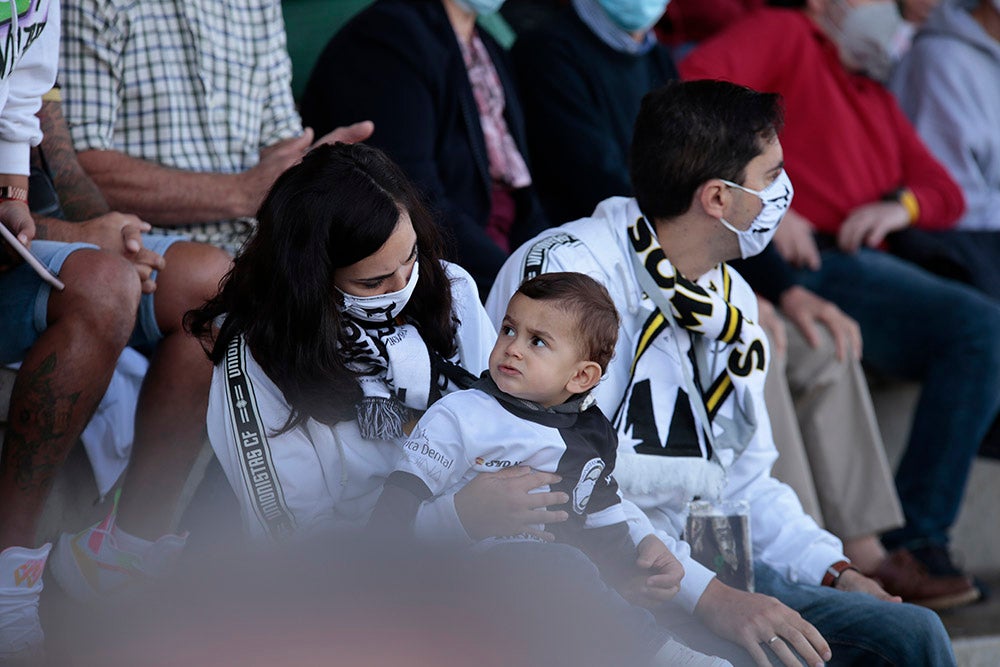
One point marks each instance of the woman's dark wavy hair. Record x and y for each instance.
(335, 208)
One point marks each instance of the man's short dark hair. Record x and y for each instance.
(689, 132)
(588, 301)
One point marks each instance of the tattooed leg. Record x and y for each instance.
(61, 381)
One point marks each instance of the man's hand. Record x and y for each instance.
(500, 503)
(795, 242)
(869, 224)
(274, 160)
(659, 577)
(855, 582)
(121, 233)
(17, 218)
(805, 309)
(751, 620)
(773, 325)
(350, 134)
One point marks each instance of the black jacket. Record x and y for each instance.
(581, 98)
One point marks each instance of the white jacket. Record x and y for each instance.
(317, 477)
(29, 55)
(783, 536)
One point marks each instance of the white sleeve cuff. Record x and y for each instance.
(695, 581)
(15, 158)
(814, 563)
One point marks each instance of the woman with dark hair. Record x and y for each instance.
(336, 327)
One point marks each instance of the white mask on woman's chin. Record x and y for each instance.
(381, 308)
(777, 198)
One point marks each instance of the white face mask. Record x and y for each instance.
(873, 36)
(777, 197)
(381, 308)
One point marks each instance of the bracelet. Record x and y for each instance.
(833, 573)
(910, 203)
(13, 193)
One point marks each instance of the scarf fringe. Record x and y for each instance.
(381, 418)
(643, 476)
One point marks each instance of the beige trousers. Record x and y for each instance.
(830, 449)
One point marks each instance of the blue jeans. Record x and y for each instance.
(946, 335)
(860, 629)
(24, 298)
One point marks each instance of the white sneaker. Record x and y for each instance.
(92, 566)
(20, 587)
(675, 654)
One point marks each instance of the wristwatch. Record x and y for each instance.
(13, 193)
(833, 572)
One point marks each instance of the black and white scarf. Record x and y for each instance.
(714, 321)
(400, 376)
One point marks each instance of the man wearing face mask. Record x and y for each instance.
(872, 35)
(861, 174)
(685, 387)
(583, 76)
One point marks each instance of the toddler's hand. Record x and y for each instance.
(659, 576)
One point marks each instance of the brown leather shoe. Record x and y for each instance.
(903, 575)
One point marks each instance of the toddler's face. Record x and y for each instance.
(537, 353)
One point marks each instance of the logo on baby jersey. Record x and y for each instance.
(496, 463)
(418, 451)
(589, 477)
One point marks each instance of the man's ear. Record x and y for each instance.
(586, 377)
(713, 197)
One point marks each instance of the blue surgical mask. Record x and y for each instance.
(381, 308)
(777, 197)
(480, 7)
(634, 15)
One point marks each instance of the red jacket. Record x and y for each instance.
(846, 142)
(695, 20)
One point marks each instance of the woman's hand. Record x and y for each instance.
(500, 503)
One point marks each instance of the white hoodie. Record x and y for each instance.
(783, 536)
(29, 55)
